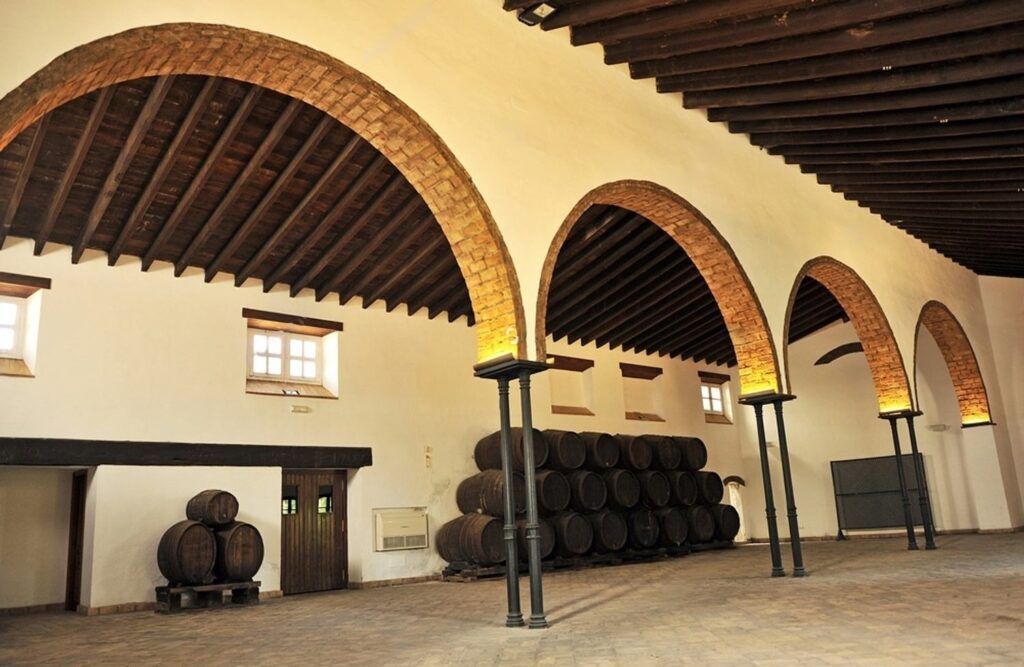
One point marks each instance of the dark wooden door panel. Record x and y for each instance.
(314, 553)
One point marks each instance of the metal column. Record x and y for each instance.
(787, 481)
(537, 618)
(514, 617)
(907, 517)
(769, 498)
(922, 490)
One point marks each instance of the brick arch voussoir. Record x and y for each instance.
(962, 363)
(888, 372)
(326, 83)
(711, 254)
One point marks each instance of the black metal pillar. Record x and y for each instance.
(787, 481)
(922, 491)
(514, 618)
(537, 617)
(907, 517)
(769, 498)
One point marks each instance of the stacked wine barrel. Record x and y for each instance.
(209, 546)
(598, 495)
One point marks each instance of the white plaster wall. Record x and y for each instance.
(35, 505)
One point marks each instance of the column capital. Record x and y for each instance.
(765, 398)
(507, 367)
(976, 424)
(899, 414)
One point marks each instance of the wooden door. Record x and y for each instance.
(314, 541)
(76, 536)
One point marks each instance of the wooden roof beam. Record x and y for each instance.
(871, 135)
(599, 10)
(187, 198)
(405, 268)
(417, 231)
(181, 136)
(99, 109)
(7, 219)
(895, 168)
(941, 155)
(140, 128)
(922, 177)
(904, 146)
(876, 188)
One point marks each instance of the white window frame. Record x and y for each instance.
(20, 314)
(286, 338)
(708, 398)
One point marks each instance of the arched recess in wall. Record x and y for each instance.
(958, 353)
(330, 86)
(869, 321)
(714, 259)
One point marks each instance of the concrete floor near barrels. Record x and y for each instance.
(866, 601)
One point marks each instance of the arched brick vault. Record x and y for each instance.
(960, 360)
(336, 89)
(713, 257)
(883, 354)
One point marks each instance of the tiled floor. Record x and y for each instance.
(866, 601)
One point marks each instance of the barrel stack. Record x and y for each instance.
(602, 498)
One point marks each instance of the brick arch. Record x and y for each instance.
(872, 326)
(711, 254)
(956, 349)
(332, 87)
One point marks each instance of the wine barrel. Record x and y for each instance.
(483, 493)
(566, 450)
(695, 454)
(668, 455)
(573, 534)
(588, 491)
(727, 522)
(472, 538)
(547, 539)
(684, 487)
(610, 531)
(623, 488)
(643, 529)
(553, 494)
(239, 552)
(709, 485)
(655, 490)
(187, 553)
(674, 526)
(602, 450)
(487, 453)
(213, 507)
(635, 451)
(702, 524)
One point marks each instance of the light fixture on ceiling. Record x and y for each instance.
(534, 14)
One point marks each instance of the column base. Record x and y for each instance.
(514, 622)
(930, 547)
(778, 573)
(799, 572)
(538, 623)
(912, 547)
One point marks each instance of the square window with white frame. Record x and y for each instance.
(714, 397)
(12, 327)
(285, 356)
(711, 397)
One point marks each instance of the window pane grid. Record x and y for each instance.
(11, 321)
(284, 356)
(711, 398)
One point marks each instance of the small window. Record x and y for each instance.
(20, 307)
(325, 500)
(572, 385)
(279, 355)
(642, 392)
(12, 327)
(290, 500)
(288, 355)
(714, 397)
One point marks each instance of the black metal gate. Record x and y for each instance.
(868, 492)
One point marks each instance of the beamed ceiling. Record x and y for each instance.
(224, 176)
(621, 281)
(912, 108)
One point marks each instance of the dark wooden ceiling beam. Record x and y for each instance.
(417, 290)
(359, 186)
(672, 324)
(689, 329)
(871, 135)
(664, 306)
(961, 235)
(581, 265)
(416, 232)
(173, 150)
(111, 184)
(577, 244)
(875, 188)
(74, 165)
(934, 211)
(895, 168)
(618, 275)
(14, 201)
(434, 291)
(254, 216)
(887, 102)
(412, 204)
(513, 5)
(876, 147)
(674, 19)
(958, 197)
(965, 226)
(940, 155)
(447, 302)
(903, 54)
(709, 343)
(599, 10)
(923, 177)
(942, 114)
(227, 200)
(378, 201)
(299, 211)
(198, 182)
(854, 25)
(405, 268)
(930, 76)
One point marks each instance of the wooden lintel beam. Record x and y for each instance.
(181, 137)
(7, 220)
(99, 109)
(198, 181)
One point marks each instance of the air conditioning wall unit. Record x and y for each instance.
(395, 529)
